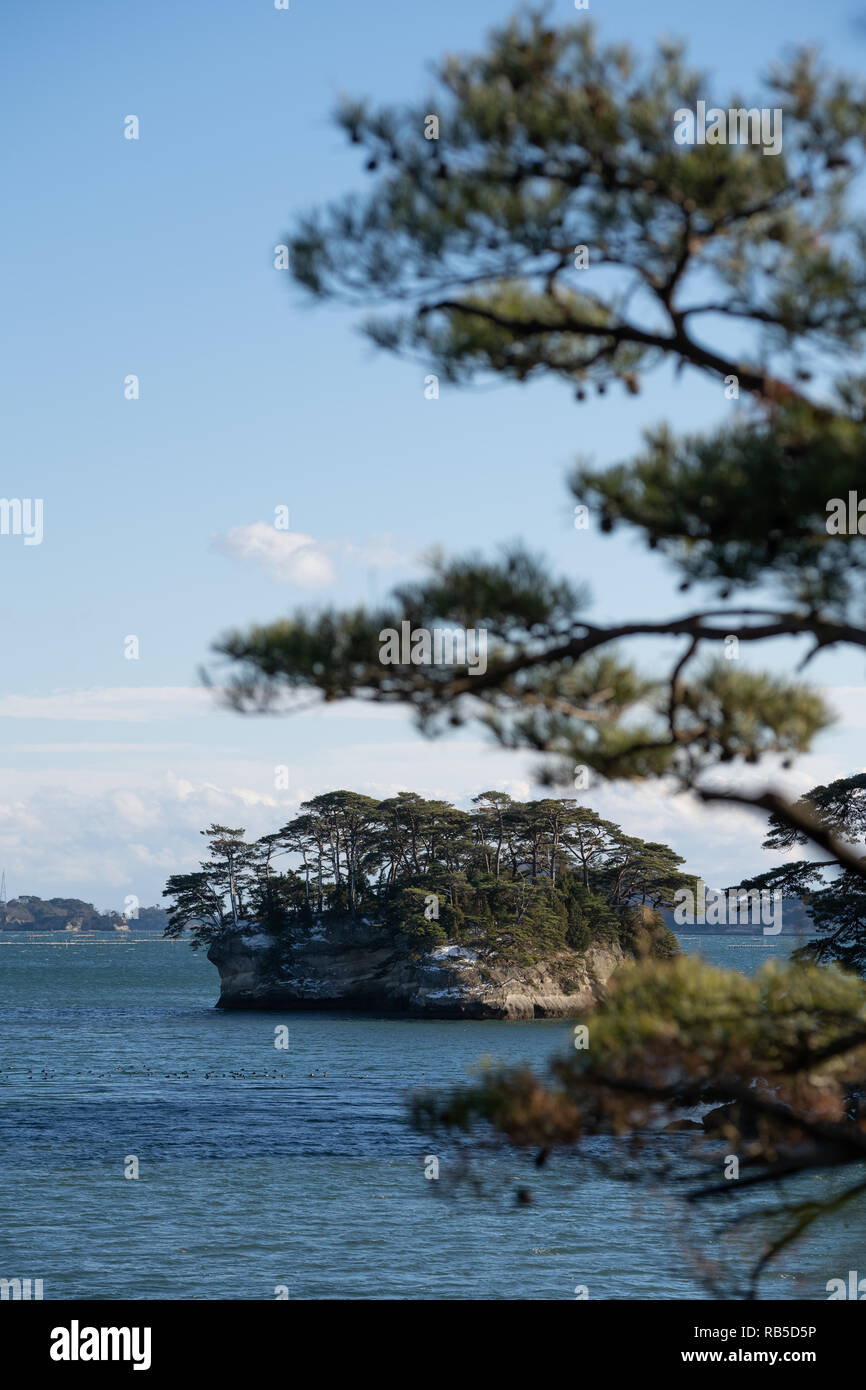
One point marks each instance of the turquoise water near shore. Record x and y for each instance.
(263, 1169)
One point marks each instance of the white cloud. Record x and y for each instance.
(103, 826)
(288, 556)
(113, 748)
(134, 704)
(139, 704)
(291, 557)
(63, 841)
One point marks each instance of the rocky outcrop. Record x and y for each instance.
(357, 966)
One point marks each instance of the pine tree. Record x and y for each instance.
(556, 229)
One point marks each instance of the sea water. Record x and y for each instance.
(268, 1173)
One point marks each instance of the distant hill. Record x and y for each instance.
(151, 919)
(795, 921)
(31, 913)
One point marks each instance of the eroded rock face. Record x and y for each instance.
(357, 966)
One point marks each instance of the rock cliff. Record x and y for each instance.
(355, 965)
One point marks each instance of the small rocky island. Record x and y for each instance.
(356, 965)
(512, 910)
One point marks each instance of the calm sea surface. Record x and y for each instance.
(261, 1168)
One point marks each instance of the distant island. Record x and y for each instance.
(794, 921)
(31, 913)
(509, 910)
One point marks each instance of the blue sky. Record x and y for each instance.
(155, 257)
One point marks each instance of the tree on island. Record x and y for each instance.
(388, 862)
(555, 153)
(834, 894)
(213, 900)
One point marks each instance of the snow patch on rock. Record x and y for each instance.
(456, 954)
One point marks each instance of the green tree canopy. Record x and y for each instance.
(834, 893)
(353, 857)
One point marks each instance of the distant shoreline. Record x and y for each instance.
(756, 932)
(95, 934)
